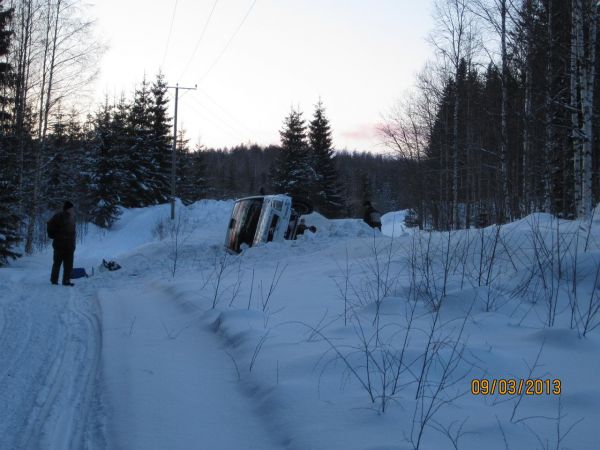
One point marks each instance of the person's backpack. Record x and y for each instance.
(53, 227)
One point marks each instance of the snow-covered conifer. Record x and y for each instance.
(326, 193)
(293, 173)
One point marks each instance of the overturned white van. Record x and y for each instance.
(263, 218)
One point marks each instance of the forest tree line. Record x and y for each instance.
(120, 155)
(504, 121)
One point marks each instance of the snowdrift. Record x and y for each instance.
(346, 338)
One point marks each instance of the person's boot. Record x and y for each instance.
(68, 283)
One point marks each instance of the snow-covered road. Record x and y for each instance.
(122, 376)
(50, 339)
(169, 384)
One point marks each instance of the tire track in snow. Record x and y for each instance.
(78, 377)
(49, 353)
(168, 382)
(29, 349)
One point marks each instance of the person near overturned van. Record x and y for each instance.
(61, 229)
(372, 217)
(302, 228)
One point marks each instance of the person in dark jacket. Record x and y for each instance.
(63, 243)
(302, 227)
(372, 217)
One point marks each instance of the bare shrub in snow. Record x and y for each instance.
(371, 281)
(178, 231)
(589, 315)
(431, 261)
(159, 230)
(174, 233)
(443, 369)
(544, 269)
(225, 278)
(267, 293)
(257, 350)
(487, 258)
(217, 277)
(342, 283)
(562, 430)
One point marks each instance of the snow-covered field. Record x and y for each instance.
(343, 339)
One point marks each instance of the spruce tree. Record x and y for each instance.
(292, 173)
(326, 194)
(104, 185)
(139, 189)
(120, 144)
(58, 186)
(191, 170)
(161, 139)
(9, 219)
(67, 168)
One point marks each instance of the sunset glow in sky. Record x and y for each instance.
(358, 56)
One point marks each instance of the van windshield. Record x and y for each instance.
(244, 222)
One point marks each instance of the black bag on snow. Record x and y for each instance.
(110, 265)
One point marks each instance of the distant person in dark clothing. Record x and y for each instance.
(302, 228)
(62, 225)
(372, 217)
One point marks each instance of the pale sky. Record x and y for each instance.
(358, 56)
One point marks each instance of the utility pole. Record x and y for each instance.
(174, 153)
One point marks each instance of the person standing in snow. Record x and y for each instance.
(301, 228)
(372, 217)
(61, 228)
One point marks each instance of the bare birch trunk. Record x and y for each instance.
(44, 113)
(23, 58)
(526, 128)
(549, 141)
(506, 213)
(574, 63)
(583, 68)
(455, 224)
(587, 97)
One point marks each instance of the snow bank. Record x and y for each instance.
(271, 348)
(392, 223)
(138, 226)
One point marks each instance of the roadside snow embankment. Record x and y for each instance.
(341, 327)
(346, 338)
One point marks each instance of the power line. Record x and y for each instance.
(211, 117)
(174, 150)
(229, 41)
(208, 118)
(170, 31)
(200, 38)
(227, 113)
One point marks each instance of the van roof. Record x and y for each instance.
(258, 197)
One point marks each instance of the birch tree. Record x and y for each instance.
(584, 32)
(406, 133)
(495, 14)
(56, 56)
(455, 38)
